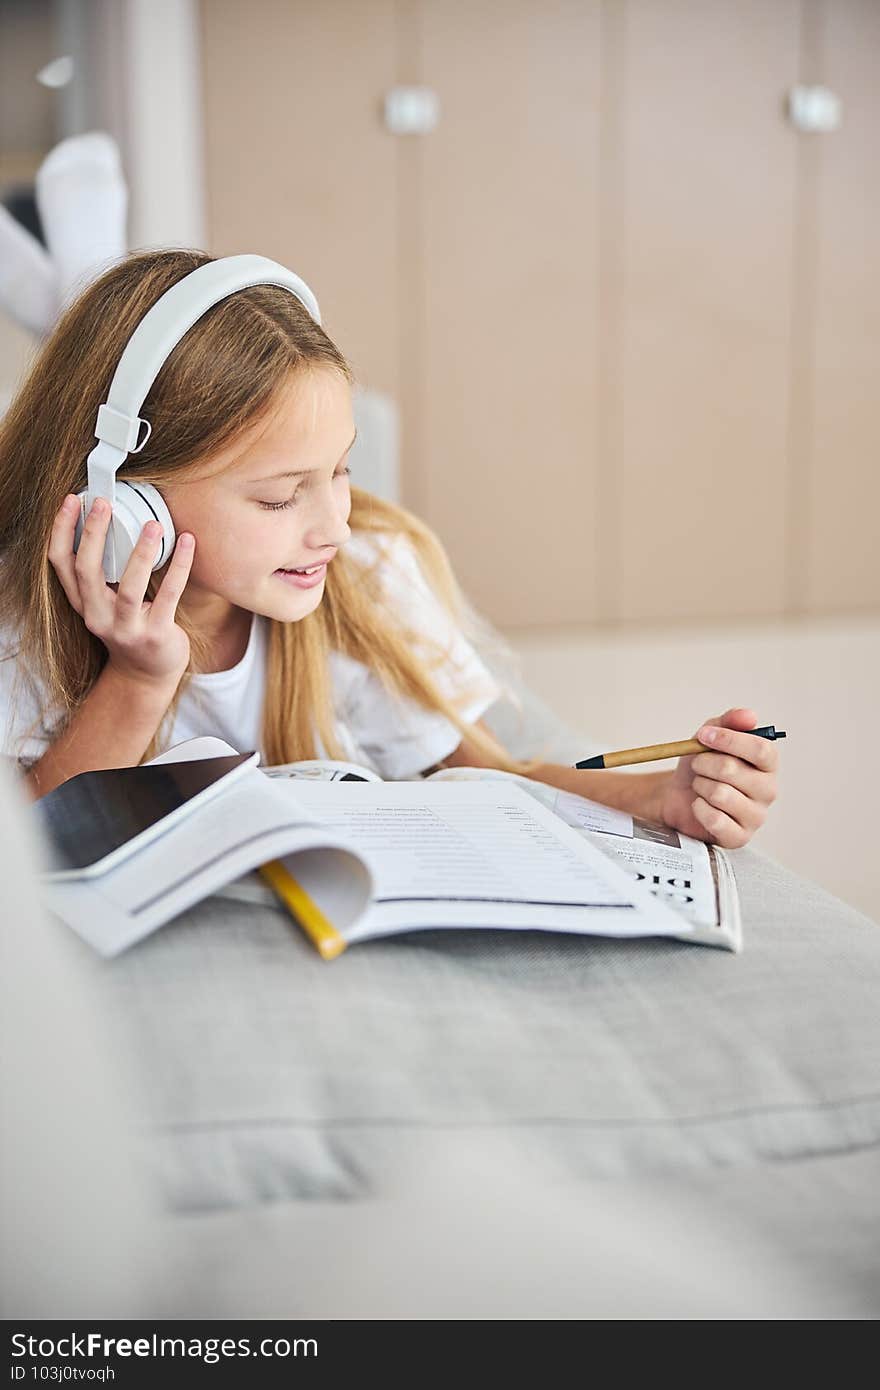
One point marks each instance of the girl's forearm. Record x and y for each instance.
(638, 793)
(112, 728)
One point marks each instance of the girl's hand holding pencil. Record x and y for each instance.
(723, 795)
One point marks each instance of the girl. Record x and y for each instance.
(296, 614)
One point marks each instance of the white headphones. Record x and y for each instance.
(118, 428)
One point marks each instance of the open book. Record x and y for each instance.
(695, 880)
(461, 848)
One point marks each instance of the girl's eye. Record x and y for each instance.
(291, 501)
(278, 506)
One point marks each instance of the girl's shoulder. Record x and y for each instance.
(25, 716)
(393, 559)
(10, 642)
(388, 549)
(14, 663)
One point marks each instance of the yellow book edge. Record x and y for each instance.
(318, 928)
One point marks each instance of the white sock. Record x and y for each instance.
(28, 283)
(82, 200)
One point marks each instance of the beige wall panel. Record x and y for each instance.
(299, 165)
(28, 118)
(507, 399)
(705, 198)
(27, 133)
(843, 478)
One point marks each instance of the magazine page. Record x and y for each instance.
(686, 872)
(255, 821)
(322, 770)
(693, 878)
(489, 856)
(208, 746)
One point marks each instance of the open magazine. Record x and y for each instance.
(692, 878)
(461, 848)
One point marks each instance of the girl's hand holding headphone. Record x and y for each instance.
(143, 640)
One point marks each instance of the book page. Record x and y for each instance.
(683, 871)
(248, 825)
(686, 873)
(480, 855)
(591, 815)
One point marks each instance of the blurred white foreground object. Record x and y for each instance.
(28, 283)
(76, 1218)
(82, 201)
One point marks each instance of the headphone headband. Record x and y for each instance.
(163, 326)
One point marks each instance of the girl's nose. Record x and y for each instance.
(341, 533)
(330, 527)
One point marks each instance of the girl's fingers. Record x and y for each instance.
(132, 590)
(60, 552)
(722, 768)
(97, 599)
(762, 753)
(174, 581)
(746, 814)
(723, 831)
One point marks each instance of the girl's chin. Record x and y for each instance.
(287, 597)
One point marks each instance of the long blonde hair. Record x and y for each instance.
(214, 385)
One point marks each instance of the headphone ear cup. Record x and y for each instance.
(136, 504)
(145, 503)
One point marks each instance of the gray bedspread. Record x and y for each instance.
(269, 1073)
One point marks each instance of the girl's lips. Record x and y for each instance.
(302, 581)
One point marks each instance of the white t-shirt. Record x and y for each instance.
(388, 733)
